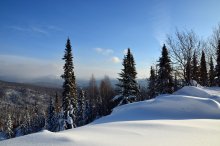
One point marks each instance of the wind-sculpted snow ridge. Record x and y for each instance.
(203, 92)
(171, 107)
(189, 117)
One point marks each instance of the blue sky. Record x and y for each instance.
(33, 33)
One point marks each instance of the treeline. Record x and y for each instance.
(185, 60)
(190, 61)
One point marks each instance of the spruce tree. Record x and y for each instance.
(81, 108)
(152, 84)
(124, 80)
(217, 68)
(83, 122)
(50, 117)
(165, 81)
(203, 71)
(127, 81)
(195, 68)
(57, 119)
(69, 88)
(211, 73)
(9, 126)
(27, 123)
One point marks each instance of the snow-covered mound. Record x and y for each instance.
(167, 107)
(191, 116)
(193, 91)
(204, 92)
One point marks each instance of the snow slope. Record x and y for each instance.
(191, 117)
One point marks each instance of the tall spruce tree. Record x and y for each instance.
(151, 90)
(211, 73)
(203, 71)
(195, 68)
(127, 81)
(69, 88)
(165, 80)
(217, 68)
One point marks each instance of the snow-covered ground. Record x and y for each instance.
(189, 117)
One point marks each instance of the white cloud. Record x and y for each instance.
(83, 71)
(99, 50)
(54, 28)
(31, 29)
(116, 59)
(39, 30)
(104, 51)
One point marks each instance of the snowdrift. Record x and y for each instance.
(171, 107)
(191, 116)
(203, 92)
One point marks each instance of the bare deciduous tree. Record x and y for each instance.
(182, 46)
(213, 41)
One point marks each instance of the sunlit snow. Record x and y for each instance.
(189, 117)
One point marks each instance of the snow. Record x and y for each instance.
(204, 92)
(166, 107)
(189, 117)
(2, 136)
(69, 119)
(117, 97)
(140, 133)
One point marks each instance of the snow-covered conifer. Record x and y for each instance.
(127, 81)
(165, 80)
(151, 90)
(195, 68)
(81, 108)
(203, 71)
(69, 86)
(50, 125)
(9, 126)
(211, 73)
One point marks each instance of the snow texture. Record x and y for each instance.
(189, 117)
